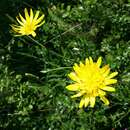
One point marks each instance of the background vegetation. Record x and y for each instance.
(33, 77)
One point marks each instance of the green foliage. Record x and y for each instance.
(33, 72)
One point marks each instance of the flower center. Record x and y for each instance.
(29, 28)
(92, 82)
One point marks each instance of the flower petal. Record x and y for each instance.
(87, 61)
(31, 15)
(99, 61)
(105, 100)
(19, 21)
(77, 95)
(110, 81)
(92, 101)
(81, 103)
(39, 19)
(111, 89)
(86, 101)
(23, 20)
(101, 93)
(112, 75)
(74, 77)
(73, 87)
(90, 60)
(40, 24)
(105, 74)
(105, 68)
(81, 64)
(33, 34)
(36, 15)
(15, 28)
(26, 14)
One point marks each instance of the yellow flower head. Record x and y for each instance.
(29, 24)
(91, 81)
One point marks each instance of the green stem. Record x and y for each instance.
(68, 30)
(36, 42)
(50, 70)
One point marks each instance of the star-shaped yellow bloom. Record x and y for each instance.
(29, 24)
(91, 81)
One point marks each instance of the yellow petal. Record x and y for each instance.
(105, 68)
(111, 89)
(23, 20)
(40, 24)
(110, 81)
(101, 93)
(74, 77)
(99, 61)
(105, 74)
(36, 15)
(77, 95)
(90, 60)
(19, 21)
(76, 68)
(105, 100)
(15, 28)
(112, 75)
(86, 101)
(26, 14)
(81, 64)
(87, 61)
(39, 19)
(92, 101)
(31, 15)
(22, 33)
(81, 103)
(33, 34)
(73, 87)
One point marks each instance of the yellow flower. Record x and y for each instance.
(29, 24)
(91, 81)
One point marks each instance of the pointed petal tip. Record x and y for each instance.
(33, 34)
(90, 60)
(81, 104)
(92, 102)
(112, 75)
(105, 100)
(72, 87)
(110, 89)
(99, 61)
